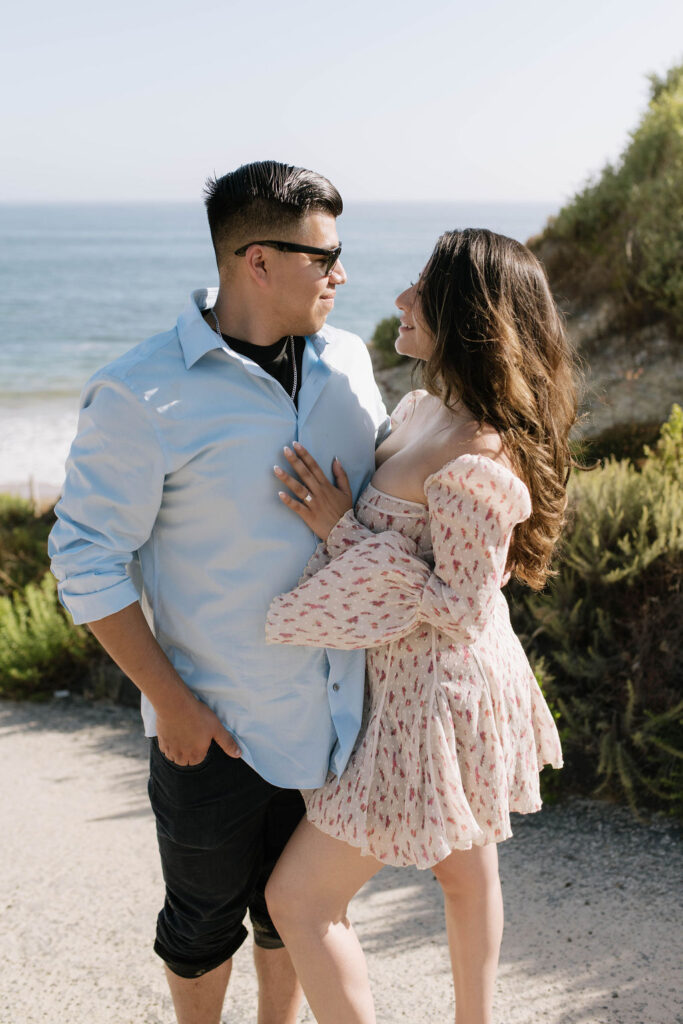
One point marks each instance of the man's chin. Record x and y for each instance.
(314, 325)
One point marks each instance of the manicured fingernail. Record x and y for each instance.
(297, 445)
(276, 469)
(287, 451)
(281, 494)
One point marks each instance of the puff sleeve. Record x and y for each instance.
(376, 589)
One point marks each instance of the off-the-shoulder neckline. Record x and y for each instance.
(395, 497)
(499, 466)
(432, 476)
(416, 394)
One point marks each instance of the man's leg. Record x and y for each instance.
(279, 992)
(210, 826)
(200, 1000)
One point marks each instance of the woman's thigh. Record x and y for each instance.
(317, 876)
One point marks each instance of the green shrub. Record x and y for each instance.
(384, 339)
(668, 450)
(609, 629)
(23, 543)
(40, 650)
(624, 232)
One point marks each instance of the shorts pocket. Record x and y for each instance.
(204, 806)
(182, 769)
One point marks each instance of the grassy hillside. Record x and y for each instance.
(623, 234)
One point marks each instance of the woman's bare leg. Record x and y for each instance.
(474, 922)
(308, 895)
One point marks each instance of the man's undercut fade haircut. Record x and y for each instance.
(264, 200)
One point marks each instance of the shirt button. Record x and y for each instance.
(335, 686)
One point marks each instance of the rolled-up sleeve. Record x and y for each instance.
(112, 494)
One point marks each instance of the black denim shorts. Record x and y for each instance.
(221, 828)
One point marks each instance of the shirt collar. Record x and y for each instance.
(197, 338)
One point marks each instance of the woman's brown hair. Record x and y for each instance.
(501, 349)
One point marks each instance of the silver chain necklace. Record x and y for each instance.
(292, 352)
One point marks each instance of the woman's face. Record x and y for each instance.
(414, 339)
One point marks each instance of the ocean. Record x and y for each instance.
(82, 283)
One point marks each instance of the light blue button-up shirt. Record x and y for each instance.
(170, 498)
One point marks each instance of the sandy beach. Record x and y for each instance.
(593, 932)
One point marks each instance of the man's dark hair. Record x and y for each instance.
(261, 200)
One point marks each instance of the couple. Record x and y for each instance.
(209, 461)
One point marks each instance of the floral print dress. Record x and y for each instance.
(456, 729)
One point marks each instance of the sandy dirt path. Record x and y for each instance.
(593, 927)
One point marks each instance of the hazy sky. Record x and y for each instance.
(482, 99)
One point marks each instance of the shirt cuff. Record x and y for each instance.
(100, 603)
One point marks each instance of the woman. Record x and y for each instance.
(470, 488)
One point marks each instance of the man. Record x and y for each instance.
(171, 542)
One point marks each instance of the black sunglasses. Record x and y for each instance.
(331, 254)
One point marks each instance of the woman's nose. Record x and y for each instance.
(402, 301)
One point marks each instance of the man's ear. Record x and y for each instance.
(258, 264)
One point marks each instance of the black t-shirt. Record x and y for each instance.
(275, 359)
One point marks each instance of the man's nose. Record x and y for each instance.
(338, 274)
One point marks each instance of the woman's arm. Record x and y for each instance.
(378, 590)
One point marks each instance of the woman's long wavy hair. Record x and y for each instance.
(501, 349)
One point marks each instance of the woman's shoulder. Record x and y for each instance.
(406, 406)
(457, 436)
